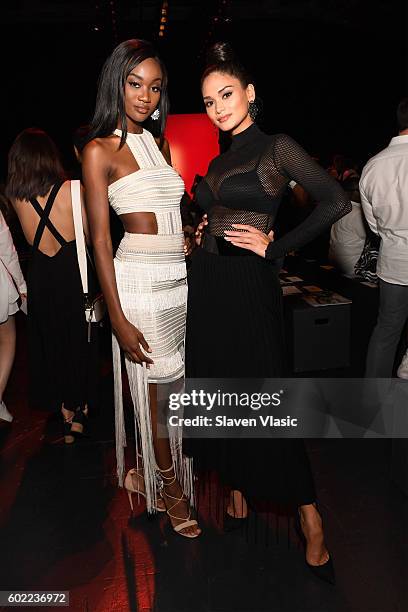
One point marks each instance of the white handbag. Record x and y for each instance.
(95, 307)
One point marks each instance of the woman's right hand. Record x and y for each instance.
(200, 230)
(131, 340)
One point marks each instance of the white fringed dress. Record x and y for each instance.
(151, 279)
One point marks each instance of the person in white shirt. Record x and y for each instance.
(348, 234)
(384, 197)
(12, 286)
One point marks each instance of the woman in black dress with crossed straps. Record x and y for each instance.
(234, 288)
(60, 360)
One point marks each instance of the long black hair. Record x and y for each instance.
(110, 100)
(34, 165)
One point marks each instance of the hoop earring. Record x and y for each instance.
(253, 109)
(155, 115)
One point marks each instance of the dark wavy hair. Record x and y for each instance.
(110, 99)
(221, 58)
(34, 165)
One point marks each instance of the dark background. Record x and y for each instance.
(330, 72)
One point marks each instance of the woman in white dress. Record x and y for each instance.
(145, 286)
(12, 286)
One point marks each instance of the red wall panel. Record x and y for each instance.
(193, 143)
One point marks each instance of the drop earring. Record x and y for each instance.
(155, 115)
(253, 109)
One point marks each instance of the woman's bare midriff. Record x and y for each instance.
(139, 223)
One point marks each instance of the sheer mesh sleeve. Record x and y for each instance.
(332, 202)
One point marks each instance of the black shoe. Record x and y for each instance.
(326, 571)
(80, 417)
(232, 523)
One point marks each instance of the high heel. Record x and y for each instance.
(80, 418)
(232, 523)
(130, 488)
(69, 437)
(187, 521)
(325, 571)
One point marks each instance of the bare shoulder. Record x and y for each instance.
(64, 196)
(65, 188)
(100, 149)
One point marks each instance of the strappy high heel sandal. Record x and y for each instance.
(186, 521)
(69, 437)
(325, 571)
(79, 423)
(130, 487)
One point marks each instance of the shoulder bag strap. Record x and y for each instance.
(79, 233)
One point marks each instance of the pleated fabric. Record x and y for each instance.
(151, 279)
(235, 330)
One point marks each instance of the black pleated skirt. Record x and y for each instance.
(235, 330)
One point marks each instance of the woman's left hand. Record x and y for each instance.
(188, 245)
(250, 239)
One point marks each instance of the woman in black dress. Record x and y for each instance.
(234, 288)
(59, 353)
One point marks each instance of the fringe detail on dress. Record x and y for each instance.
(139, 389)
(183, 466)
(120, 433)
(161, 300)
(167, 369)
(151, 279)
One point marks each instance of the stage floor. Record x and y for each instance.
(64, 525)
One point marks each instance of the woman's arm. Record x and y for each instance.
(9, 257)
(331, 200)
(85, 223)
(95, 168)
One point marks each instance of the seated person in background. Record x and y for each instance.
(348, 235)
(337, 166)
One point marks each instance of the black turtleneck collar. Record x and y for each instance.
(246, 136)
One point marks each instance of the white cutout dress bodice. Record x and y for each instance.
(155, 187)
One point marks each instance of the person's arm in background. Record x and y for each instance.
(85, 217)
(300, 195)
(367, 207)
(9, 257)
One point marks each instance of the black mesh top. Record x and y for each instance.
(246, 184)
